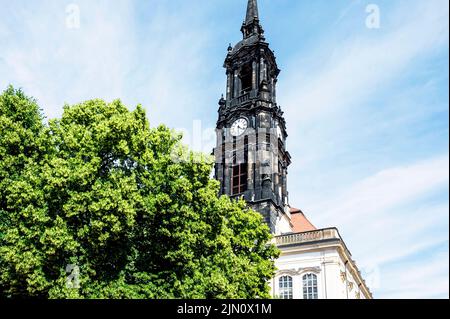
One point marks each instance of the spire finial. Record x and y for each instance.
(252, 11)
(251, 25)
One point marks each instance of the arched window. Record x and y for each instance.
(246, 78)
(310, 290)
(285, 287)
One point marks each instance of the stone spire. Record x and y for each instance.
(251, 25)
(252, 11)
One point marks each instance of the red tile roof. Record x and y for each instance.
(300, 222)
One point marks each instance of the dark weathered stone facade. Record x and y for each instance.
(252, 74)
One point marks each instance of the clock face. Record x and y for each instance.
(239, 127)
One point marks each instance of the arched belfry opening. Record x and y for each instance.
(245, 77)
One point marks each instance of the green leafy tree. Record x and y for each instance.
(111, 198)
(22, 145)
(21, 142)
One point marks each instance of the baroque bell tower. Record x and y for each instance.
(251, 157)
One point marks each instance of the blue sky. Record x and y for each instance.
(367, 109)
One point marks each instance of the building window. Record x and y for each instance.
(286, 287)
(239, 179)
(310, 290)
(268, 142)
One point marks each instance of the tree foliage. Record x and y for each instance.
(101, 190)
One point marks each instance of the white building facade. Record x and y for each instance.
(316, 265)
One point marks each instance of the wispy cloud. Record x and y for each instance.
(388, 188)
(362, 65)
(158, 62)
(57, 64)
(381, 215)
(419, 279)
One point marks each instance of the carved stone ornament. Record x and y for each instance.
(288, 272)
(315, 270)
(350, 286)
(300, 271)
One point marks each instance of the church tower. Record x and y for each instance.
(251, 157)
